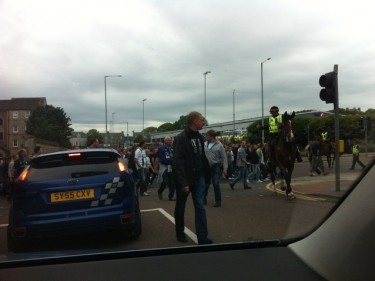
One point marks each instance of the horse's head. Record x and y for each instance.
(287, 126)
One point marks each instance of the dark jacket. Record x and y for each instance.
(184, 168)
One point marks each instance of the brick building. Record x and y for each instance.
(13, 116)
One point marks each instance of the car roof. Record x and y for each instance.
(84, 150)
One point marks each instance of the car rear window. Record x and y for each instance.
(72, 165)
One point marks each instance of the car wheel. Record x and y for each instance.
(13, 245)
(136, 231)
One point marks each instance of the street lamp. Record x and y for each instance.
(105, 97)
(127, 131)
(143, 128)
(234, 117)
(261, 78)
(113, 122)
(205, 74)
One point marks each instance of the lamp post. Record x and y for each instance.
(113, 122)
(143, 126)
(261, 78)
(205, 74)
(234, 117)
(127, 131)
(105, 98)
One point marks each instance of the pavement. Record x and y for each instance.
(325, 186)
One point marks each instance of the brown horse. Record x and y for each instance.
(284, 154)
(328, 149)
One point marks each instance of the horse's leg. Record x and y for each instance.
(272, 169)
(283, 173)
(288, 178)
(329, 160)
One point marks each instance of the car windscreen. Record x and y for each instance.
(72, 165)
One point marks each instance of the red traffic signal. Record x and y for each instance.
(328, 82)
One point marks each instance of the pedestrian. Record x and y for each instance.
(355, 152)
(316, 154)
(94, 143)
(37, 151)
(19, 165)
(254, 165)
(154, 166)
(241, 164)
(310, 157)
(190, 166)
(230, 158)
(164, 159)
(262, 165)
(141, 166)
(217, 160)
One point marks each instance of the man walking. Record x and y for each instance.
(242, 164)
(215, 153)
(355, 151)
(190, 167)
(141, 165)
(164, 158)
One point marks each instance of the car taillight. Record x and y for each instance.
(121, 166)
(24, 174)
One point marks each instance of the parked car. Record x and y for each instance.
(73, 192)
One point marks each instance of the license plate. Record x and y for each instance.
(72, 195)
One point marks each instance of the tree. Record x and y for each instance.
(166, 127)
(50, 123)
(92, 135)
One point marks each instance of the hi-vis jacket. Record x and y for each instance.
(355, 149)
(273, 124)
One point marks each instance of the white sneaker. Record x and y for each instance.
(247, 181)
(146, 194)
(259, 181)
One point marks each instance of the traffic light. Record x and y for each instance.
(329, 92)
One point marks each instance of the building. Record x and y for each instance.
(230, 128)
(14, 114)
(78, 139)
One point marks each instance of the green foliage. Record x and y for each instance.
(50, 123)
(139, 138)
(307, 127)
(92, 135)
(166, 127)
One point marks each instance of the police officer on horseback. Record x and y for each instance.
(274, 123)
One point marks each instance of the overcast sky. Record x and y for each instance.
(62, 50)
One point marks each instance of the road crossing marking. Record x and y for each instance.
(187, 231)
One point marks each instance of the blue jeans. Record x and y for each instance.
(197, 193)
(254, 172)
(167, 180)
(242, 173)
(215, 179)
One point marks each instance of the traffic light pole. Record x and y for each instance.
(337, 127)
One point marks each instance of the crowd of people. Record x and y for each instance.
(189, 163)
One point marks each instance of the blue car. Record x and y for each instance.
(70, 193)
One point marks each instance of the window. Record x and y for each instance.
(1, 121)
(15, 143)
(15, 114)
(15, 129)
(1, 135)
(27, 114)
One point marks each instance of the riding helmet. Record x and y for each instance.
(274, 108)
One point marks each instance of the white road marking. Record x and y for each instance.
(187, 231)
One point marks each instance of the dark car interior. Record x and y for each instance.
(341, 248)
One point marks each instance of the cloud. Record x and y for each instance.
(62, 51)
